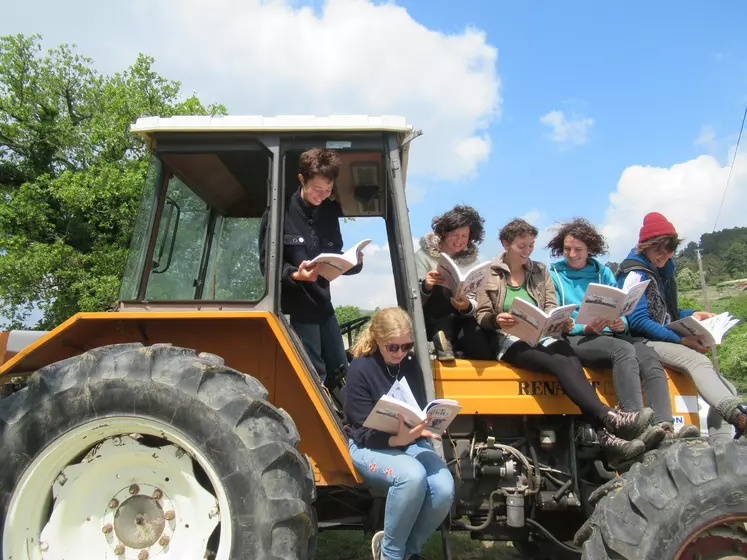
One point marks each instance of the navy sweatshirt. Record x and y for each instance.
(367, 380)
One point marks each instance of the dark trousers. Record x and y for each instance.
(464, 334)
(637, 372)
(323, 344)
(559, 360)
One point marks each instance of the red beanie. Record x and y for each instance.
(654, 225)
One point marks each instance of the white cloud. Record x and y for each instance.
(689, 194)
(347, 56)
(566, 131)
(707, 139)
(533, 216)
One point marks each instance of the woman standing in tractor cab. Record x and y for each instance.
(419, 486)
(312, 226)
(513, 275)
(449, 321)
(652, 259)
(604, 343)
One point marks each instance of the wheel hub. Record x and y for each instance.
(118, 500)
(722, 539)
(139, 522)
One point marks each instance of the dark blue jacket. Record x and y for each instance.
(309, 231)
(366, 382)
(658, 305)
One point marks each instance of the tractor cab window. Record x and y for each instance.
(207, 214)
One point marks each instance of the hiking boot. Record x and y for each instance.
(686, 431)
(628, 425)
(444, 351)
(652, 437)
(619, 451)
(376, 541)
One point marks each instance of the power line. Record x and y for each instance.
(728, 179)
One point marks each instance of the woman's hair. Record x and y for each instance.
(458, 217)
(580, 229)
(658, 243)
(386, 324)
(319, 162)
(516, 228)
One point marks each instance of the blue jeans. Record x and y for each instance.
(420, 492)
(323, 343)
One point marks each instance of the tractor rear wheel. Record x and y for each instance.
(136, 452)
(684, 501)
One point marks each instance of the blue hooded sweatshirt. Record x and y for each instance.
(571, 284)
(641, 321)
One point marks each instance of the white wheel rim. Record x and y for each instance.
(146, 482)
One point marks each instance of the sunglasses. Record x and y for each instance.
(394, 348)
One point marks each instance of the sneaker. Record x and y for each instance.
(652, 437)
(376, 545)
(619, 450)
(628, 425)
(686, 431)
(444, 351)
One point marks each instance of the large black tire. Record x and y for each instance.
(249, 443)
(649, 512)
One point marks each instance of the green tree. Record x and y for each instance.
(70, 175)
(736, 260)
(687, 279)
(345, 313)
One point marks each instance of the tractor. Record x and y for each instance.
(188, 422)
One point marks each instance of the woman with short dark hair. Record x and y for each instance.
(449, 321)
(606, 343)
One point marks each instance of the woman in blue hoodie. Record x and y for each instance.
(604, 343)
(652, 259)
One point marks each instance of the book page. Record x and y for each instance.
(475, 278)
(384, 415)
(441, 413)
(558, 318)
(449, 272)
(600, 302)
(401, 391)
(635, 292)
(530, 321)
(352, 254)
(333, 265)
(690, 326)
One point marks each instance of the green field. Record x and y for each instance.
(353, 545)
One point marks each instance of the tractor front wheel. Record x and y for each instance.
(141, 452)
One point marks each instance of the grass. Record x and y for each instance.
(354, 545)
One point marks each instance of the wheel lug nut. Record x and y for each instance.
(119, 550)
(134, 489)
(143, 555)
(169, 515)
(157, 495)
(44, 545)
(164, 540)
(106, 529)
(114, 504)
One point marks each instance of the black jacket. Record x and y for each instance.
(309, 231)
(367, 380)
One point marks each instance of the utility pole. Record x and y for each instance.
(705, 301)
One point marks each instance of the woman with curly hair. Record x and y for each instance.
(450, 321)
(606, 343)
(513, 274)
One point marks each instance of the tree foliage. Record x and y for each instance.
(345, 313)
(70, 175)
(687, 279)
(724, 255)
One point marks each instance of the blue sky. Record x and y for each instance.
(646, 97)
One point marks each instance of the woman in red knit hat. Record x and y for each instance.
(652, 259)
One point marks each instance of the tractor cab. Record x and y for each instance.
(209, 182)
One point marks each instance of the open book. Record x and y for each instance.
(332, 265)
(533, 324)
(609, 302)
(458, 283)
(709, 331)
(400, 400)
